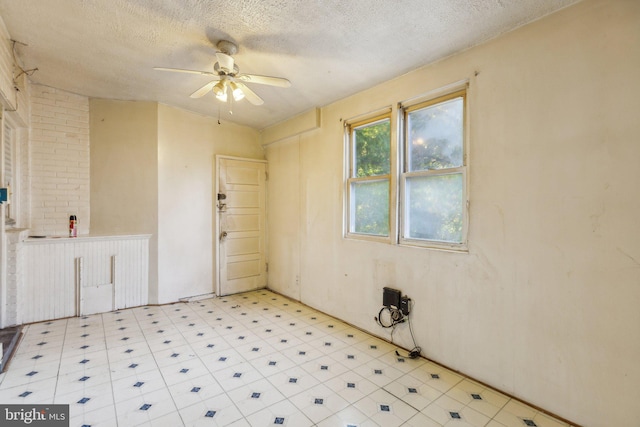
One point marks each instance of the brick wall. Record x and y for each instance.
(59, 154)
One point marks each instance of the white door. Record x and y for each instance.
(241, 225)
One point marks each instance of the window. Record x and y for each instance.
(368, 183)
(8, 162)
(433, 178)
(413, 192)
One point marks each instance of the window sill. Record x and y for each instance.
(457, 249)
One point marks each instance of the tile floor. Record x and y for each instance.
(253, 359)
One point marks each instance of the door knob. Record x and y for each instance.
(223, 235)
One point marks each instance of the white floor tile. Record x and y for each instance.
(138, 384)
(351, 386)
(254, 350)
(436, 376)
(446, 410)
(293, 381)
(324, 368)
(348, 417)
(237, 376)
(102, 417)
(174, 355)
(319, 402)
(25, 375)
(144, 408)
(478, 397)
(195, 390)
(183, 371)
(224, 359)
(413, 392)
(36, 392)
(132, 367)
(272, 364)
(171, 419)
(255, 396)
(216, 411)
(421, 420)
(283, 413)
(247, 360)
(90, 398)
(378, 372)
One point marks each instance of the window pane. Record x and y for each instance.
(434, 208)
(435, 136)
(370, 207)
(372, 149)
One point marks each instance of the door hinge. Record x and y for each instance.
(266, 264)
(266, 176)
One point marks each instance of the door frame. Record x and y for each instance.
(216, 236)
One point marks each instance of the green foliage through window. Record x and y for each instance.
(372, 151)
(371, 158)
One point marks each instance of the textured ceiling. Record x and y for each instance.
(328, 49)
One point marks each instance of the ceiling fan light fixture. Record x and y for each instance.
(237, 92)
(220, 90)
(227, 84)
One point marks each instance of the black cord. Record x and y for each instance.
(416, 350)
(395, 315)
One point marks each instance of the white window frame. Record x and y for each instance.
(403, 111)
(349, 128)
(12, 209)
(399, 169)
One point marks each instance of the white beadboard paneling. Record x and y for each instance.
(15, 274)
(49, 282)
(131, 270)
(67, 277)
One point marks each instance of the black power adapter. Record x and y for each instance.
(405, 305)
(390, 297)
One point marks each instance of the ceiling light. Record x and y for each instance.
(238, 94)
(220, 90)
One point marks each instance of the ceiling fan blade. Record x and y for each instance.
(225, 62)
(203, 90)
(180, 70)
(251, 96)
(264, 80)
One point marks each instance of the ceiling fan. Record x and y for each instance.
(227, 79)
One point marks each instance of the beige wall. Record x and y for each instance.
(124, 173)
(284, 219)
(545, 304)
(187, 145)
(152, 172)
